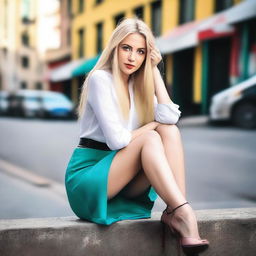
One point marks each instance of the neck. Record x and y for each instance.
(125, 79)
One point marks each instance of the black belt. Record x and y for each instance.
(89, 143)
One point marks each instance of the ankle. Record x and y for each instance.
(183, 212)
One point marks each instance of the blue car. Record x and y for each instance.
(55, 104)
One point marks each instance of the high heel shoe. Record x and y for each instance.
(190, 246)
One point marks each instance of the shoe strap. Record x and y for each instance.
(174, 208)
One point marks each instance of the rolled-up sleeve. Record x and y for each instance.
(102, 101)
(166, 113)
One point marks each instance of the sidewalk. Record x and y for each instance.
(21, 199)
(199, 120)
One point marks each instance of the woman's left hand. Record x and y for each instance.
(155, 55)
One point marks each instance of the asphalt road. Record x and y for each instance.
(220, 166)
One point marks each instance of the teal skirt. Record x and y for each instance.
(86, 182)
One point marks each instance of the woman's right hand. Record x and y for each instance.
(149, 126)
(155, 124)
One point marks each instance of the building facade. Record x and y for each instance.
(191, 73)
(57, 58)
(207, 45)
(27, 29)
(94, 20)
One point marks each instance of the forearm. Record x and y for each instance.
(147, 127)
(160, 90)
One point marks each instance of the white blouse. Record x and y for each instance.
(102, 119)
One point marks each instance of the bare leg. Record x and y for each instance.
(139, 154)
(147, 151)
(137, 185)
(171, 139)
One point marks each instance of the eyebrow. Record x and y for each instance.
(131, 46)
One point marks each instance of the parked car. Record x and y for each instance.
(24, 103)
(236, 104)
(42, 104)
(4, 103)
(55, 104)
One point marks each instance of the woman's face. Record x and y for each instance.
(131, 53)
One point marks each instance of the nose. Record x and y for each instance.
(131, 56)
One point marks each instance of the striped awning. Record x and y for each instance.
(64, 72)
(85, 67)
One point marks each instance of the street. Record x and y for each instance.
(220, 166)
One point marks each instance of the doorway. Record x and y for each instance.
(182, 88)
(219, 66)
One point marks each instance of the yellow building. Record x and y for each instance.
(185, 68)
(93, 22)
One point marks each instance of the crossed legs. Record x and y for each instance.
(171, 140)
(159, 153)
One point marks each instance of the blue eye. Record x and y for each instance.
(142, 52)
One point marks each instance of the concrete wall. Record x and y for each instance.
(231, 232)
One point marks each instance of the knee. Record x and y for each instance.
(168, 130)
(152, 136)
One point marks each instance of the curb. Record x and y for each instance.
(230, 232)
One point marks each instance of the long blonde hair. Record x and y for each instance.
(143, 77)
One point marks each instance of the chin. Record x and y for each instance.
(128, 72)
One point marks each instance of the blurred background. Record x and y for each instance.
(47, 47)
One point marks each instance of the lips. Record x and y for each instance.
(129, 66)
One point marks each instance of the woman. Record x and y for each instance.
(130, 147)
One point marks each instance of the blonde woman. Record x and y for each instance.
(130, 149)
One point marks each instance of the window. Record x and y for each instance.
(38, 86)
(98, 1)
(156, 20)
(222, 5)
(25, 11)
(187, 11)
(68, 37)
(25, 39)
(23, 85)
(118, 18)
(139, 12)
(4, 52)
(80, 6)
(81, 43)
(25, 61)
(99, 28)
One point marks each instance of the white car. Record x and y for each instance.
(29, 103)
(236, 104)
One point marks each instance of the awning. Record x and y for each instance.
(220, 24)
(64, 72)
(85, 67)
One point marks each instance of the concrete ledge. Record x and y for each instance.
(231, 232)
